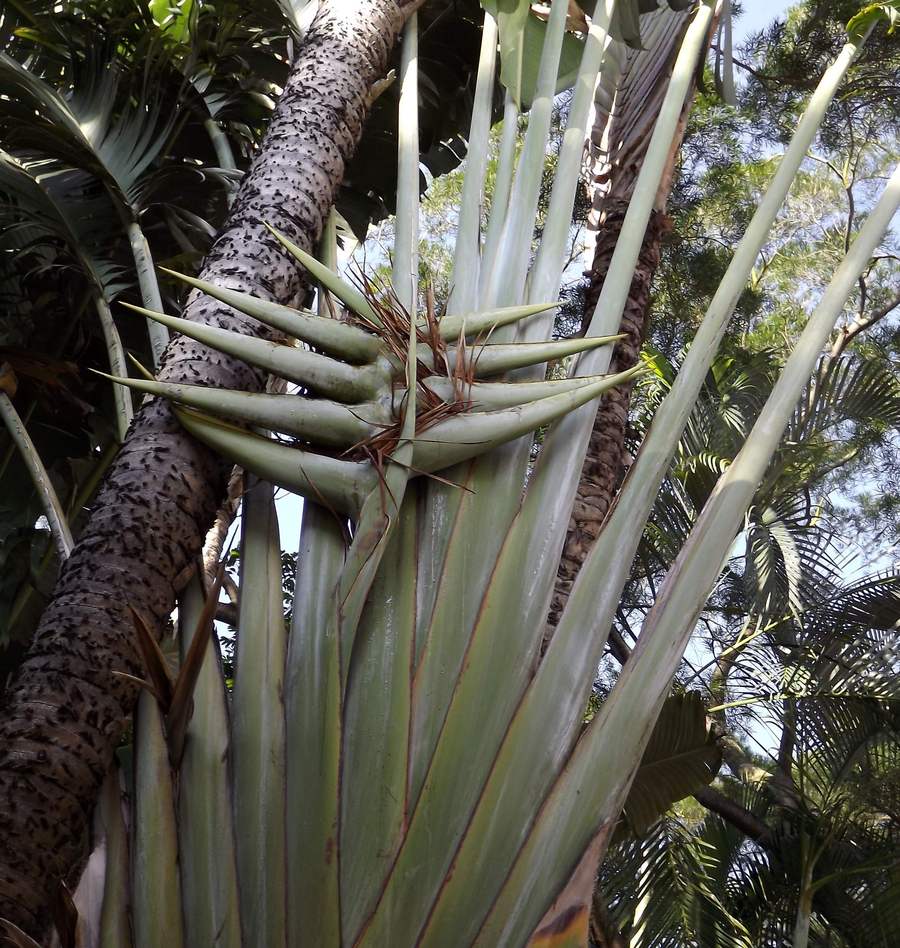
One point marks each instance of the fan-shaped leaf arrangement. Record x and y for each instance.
(344, 423)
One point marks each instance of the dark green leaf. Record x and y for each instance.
(681, 757)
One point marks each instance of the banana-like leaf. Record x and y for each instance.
(434, 787)
(492, 396)
(503, 280)
(475, 703)
(380, 513)
(599, 757)
(461, 437)
(349, 342)
(566, 923)
(320, 373)
(458, 603)
(258, 728)
(522, 37)
(157, 909)
(865, 21)
(329, 423)
(313, 705)
(467, 257)
(314, 729)
(323, 422)
(348, 294)
(626, 21)
(502, 188)
(558, 670)
(373, 538)
(336, 338)
(471, 324)
(681, 757)
(376, 725)
(340, 485)
(206, 828)
(376, 526)
(505, 357)
(446, 644)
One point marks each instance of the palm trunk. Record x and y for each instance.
(805, 901)
(619, 140)
(69, 705)
(603, 465)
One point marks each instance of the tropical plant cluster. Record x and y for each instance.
(431, 730)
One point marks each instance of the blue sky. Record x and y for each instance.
(758, 14)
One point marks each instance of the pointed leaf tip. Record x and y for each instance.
(348, 294)
(475, 323)
(180, 707)
(148, 375)
(153, 658)
(328, 335)
(334, 483)
(331, 377)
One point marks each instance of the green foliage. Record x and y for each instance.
(416, 767)
(719, 184)
(133, 103)
(785, 55)
(700, 881)
(671, 887)
(522, 36)
(794, 613)
(870, 15)
(681, 756)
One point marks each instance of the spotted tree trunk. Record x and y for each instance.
(67, 708)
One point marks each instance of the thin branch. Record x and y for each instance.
(227, 612)
(59, 528)
(618, 646)
(849, 333)
(830, 165)
(755, 72)
(749, 824)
